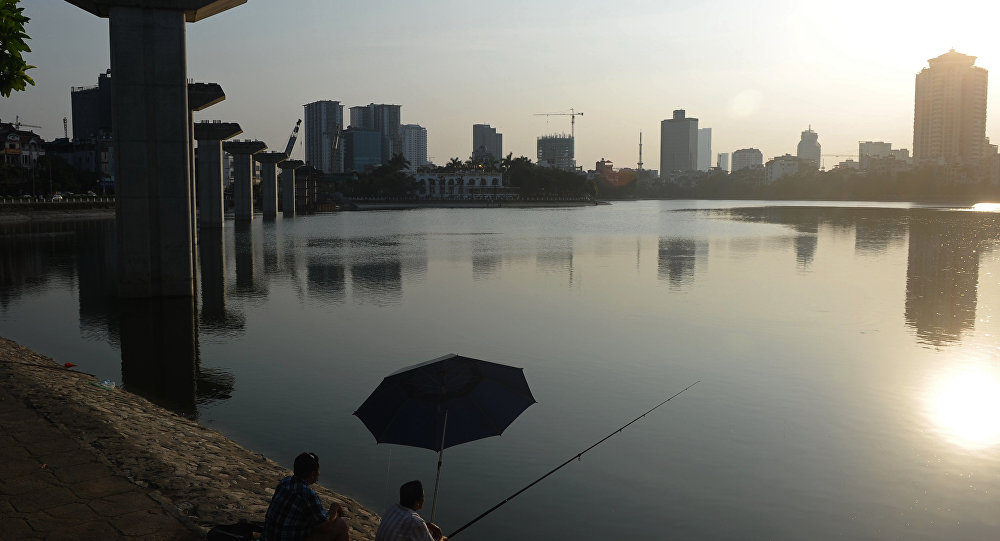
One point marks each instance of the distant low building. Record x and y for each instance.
(22, 148)
(747, 158)
(809, 147)
(786, 165)
(722, 161)
(467, 185)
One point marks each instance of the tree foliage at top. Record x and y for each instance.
(13, 42)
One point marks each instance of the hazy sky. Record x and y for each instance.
(756, 73)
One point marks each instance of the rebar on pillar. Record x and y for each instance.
(242, 152)
(288, 168)
(210, 136)
(269, 181)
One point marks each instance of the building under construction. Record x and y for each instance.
(557, 151)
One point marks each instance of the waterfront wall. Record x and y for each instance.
(208, 477)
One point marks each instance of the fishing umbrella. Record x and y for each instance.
(445, 402)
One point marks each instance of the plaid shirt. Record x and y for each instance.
(402, 524)
(294, 511)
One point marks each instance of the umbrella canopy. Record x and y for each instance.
(445, 402)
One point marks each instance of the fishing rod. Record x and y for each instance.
(571, 459)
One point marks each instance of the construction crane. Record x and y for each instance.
(18, 124)
(291, 138)
(572, 114)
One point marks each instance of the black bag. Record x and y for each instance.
(241, 531)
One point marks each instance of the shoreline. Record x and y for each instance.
(208, 478)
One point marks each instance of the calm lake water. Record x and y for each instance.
(848, 357)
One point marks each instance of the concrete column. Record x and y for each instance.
(150, 118)
(153, 189)
(269, 181)
(200, 97)
(210, 201)
(243, 152)
(288, 168)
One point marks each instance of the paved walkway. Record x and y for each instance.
(53, 487)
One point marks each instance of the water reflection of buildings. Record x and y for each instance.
(942, 273)
(486, 258)
(32, 255)
(678, 259)
(372, 269)
(944, 251)
(555, 254)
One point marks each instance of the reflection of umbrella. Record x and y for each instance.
(445, 402)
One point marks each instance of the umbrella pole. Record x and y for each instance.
(437, 478)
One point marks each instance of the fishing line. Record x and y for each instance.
(571, 459)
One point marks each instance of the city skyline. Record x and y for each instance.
(743, 79)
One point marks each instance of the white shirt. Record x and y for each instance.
(402, 524)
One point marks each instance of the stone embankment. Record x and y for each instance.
(207, 477)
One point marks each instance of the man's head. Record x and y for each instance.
(307, 467)
(411, 495)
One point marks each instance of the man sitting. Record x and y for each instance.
(295, 512)
(401, 521)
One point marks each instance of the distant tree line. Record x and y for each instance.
(925, 183)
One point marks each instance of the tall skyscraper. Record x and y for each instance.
(678, 143)
(704, 149)
(324, 120)
(486, 142)
(809, 147)
(414, 139)
(949, 111)
(383, 118)
(747, 158)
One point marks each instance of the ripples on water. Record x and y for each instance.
(848, 355)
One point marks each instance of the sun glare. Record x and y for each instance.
(965, 407)
(986, 207)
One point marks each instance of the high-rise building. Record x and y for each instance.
(91, 106)
(556, 151)
(809, 148)
(362, 117)
(362, 149)
(747, 158)
(704, 149)
(949, 111)
(678, 143)
(722, 161)
(414, 139)
(324, 120)
(486, 142)
(384, 119)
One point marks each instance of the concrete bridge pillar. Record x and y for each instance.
(200, 97)
(288, 168)
(243, 152)
(210, 136)
(269, 181)
(152, 140)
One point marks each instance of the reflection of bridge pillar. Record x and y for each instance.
(288, 168)
(212, 257)
(269, 181)
(243, 152)
(243, 246)
(159, 344)
(210, 136)
(151, 140)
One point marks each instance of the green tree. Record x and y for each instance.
(13, 42)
